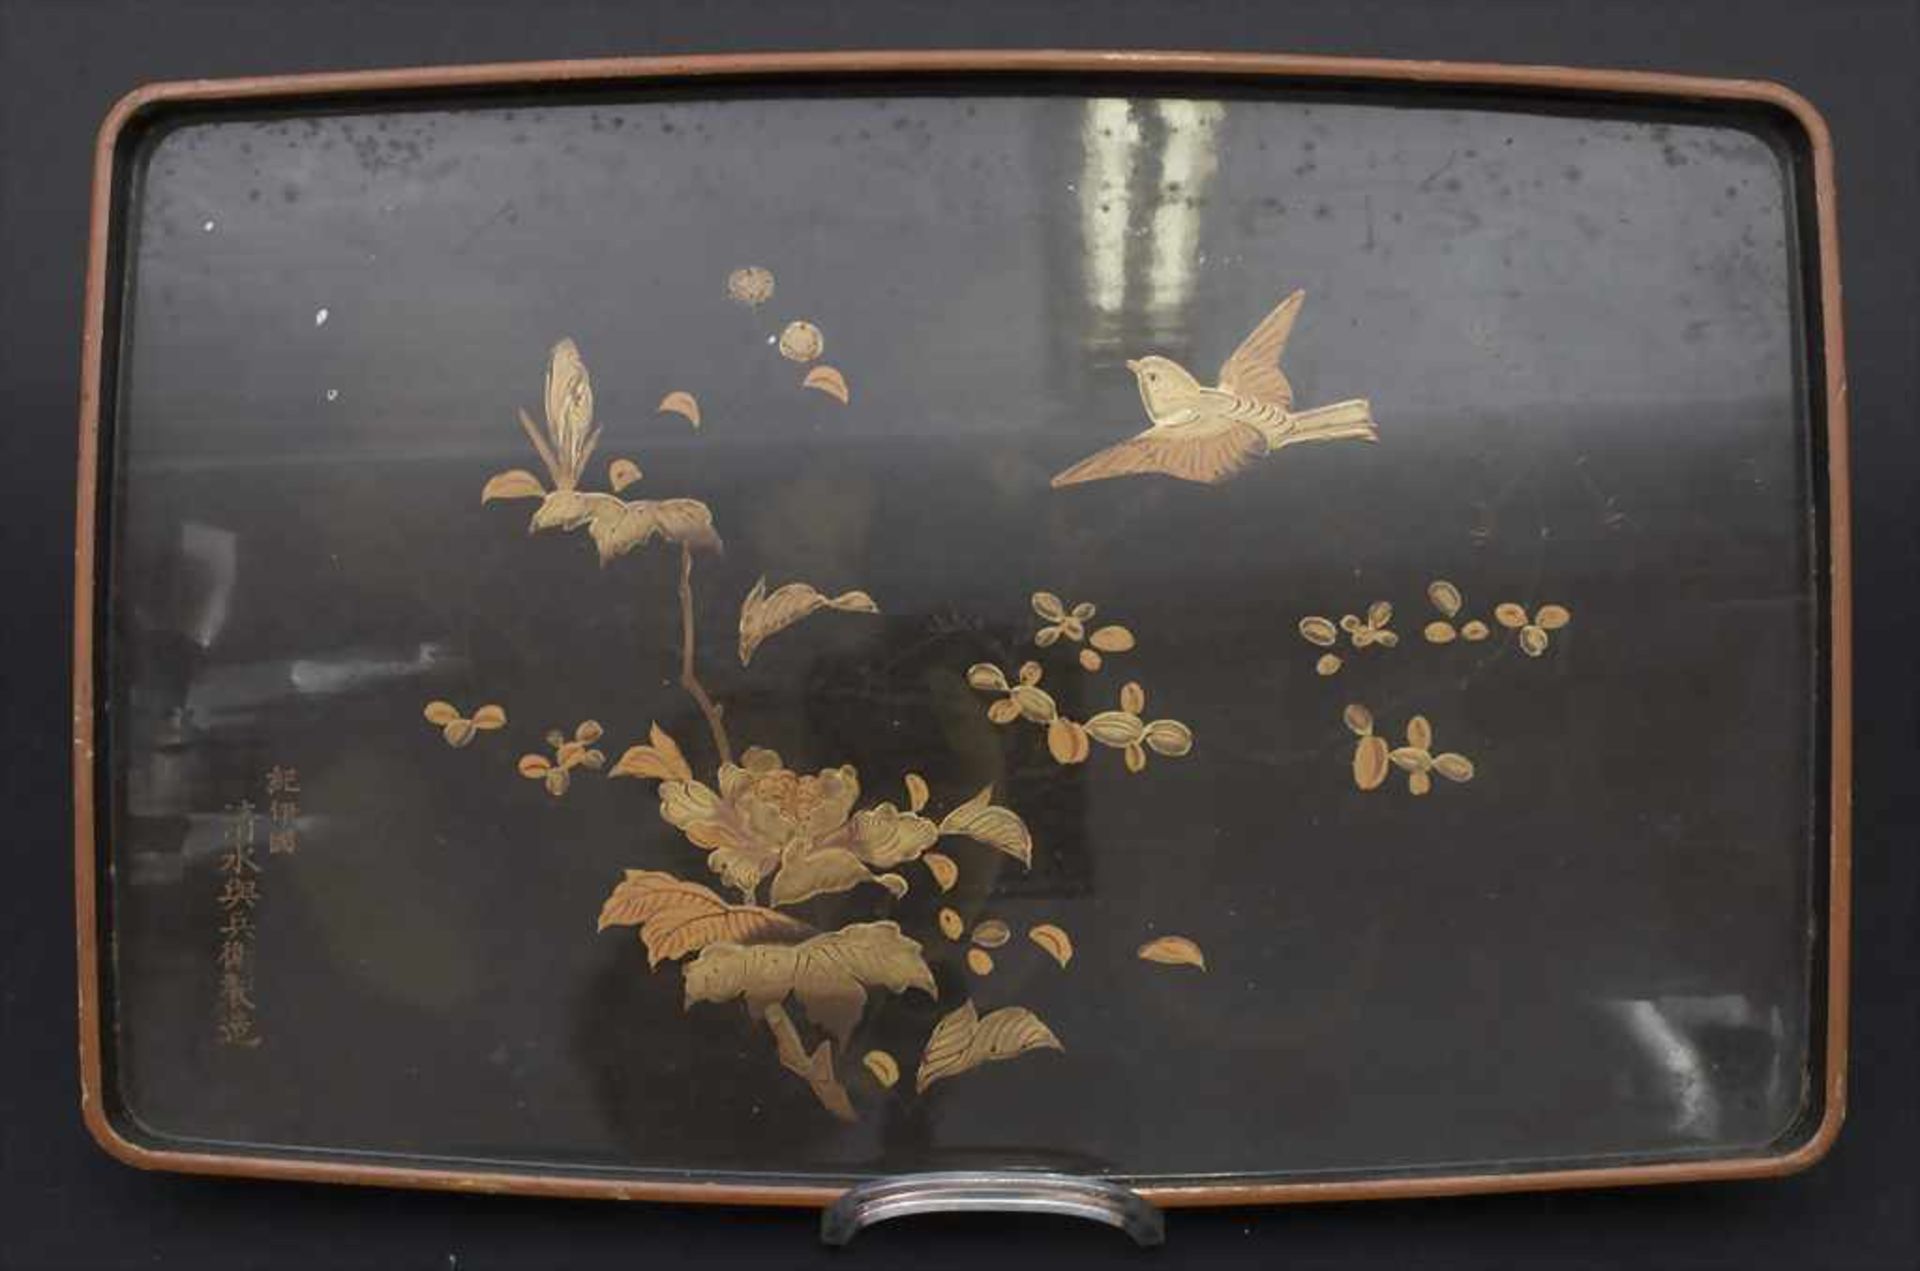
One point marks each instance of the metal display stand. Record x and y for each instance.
(992, 1191)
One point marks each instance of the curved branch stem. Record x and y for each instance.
(688, 680)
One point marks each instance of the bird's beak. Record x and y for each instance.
(1133, 366)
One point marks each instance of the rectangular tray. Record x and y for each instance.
(350, 909)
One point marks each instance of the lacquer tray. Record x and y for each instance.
(715, 628)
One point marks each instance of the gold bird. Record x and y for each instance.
(1208, 434)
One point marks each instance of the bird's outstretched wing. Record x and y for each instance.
(1254, 369)
(1207, 458)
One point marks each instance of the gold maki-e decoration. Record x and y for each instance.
(1373, 757)
(1073, 624)
(458, 730)
(1533, 627)
(1070, 741)
(1363, 631)
(1446, 598)
(568, 754)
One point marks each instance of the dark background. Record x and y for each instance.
(68, 1205)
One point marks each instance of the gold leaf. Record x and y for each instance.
(1386, 639)
(1046, 637)
(1133, 698)
(1552, 617)
(1004, 711)
(828, 380)
(1358, 719)
(680, 402)
(884, 1068)
(1136, 757)
(622, 473)
(952, 925)
(1474, 630)
(1173, 951)
(917, 792)
(1035, 704)
(489, 717)
(1056, 942)
(618, 527)
(1169, 737)
(1090, 660)
(670, 751)
(534, 766)
(1317, 630)
(1329, 664)
(1419, 732)
(1445, 596)
(807, 870)
(991, 934)
(1533, 641)
(1030, 673)
(1453, 767)
(815, 1069)
(677, 917)
(1379, 613)
(801, 341)
(557, 781)
(963, 1040)
(750, 285)
(940, 865)
(648, 761)
(1067, 741)
(1439, 633)
(1510, 615)
(517, 483)
(895, 883)
(979, 961)
(1370, 762)
(828, 974)
(687, 522)
(997, 827)
(458, 732)
(1419, 783)
(1116, 728)
(764, 614)
(441, 713)
(1411, 759)
(594, 759)
(588, 731)
(986, 677)
(1114, 639)
(1049, 606)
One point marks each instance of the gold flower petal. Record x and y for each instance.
(1056, 942)
(1318, 630)
(1173, 951)
(885, 1069)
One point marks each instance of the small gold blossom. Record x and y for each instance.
(460, 729)
(568, 754)
(1072, 624)
(1533, 630)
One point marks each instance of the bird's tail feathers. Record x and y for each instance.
(1342, 421)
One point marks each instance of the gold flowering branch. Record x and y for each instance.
(617, 526)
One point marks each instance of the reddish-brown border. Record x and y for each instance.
(826, 66)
